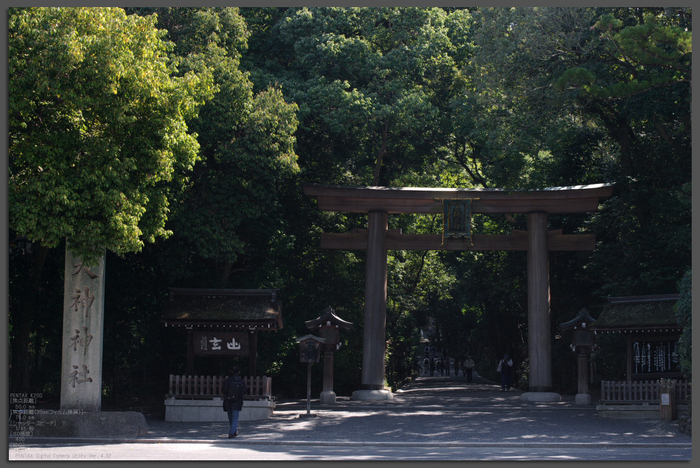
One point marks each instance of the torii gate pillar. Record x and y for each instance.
(374, 336)
(538, 311)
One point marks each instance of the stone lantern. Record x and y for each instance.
(328, 326)
(582, 344)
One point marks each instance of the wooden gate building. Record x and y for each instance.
(223, 322)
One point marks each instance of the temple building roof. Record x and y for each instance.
(639, 314)
(224, 309)
(328, 317)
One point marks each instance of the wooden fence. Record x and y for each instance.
(209, 386)
(639, 391)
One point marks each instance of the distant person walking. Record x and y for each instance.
(426, 366)
(234, 388)
(457, 366)
(505, 367)
(469, 368)
(432, 367)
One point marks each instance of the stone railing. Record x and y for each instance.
(639, 391)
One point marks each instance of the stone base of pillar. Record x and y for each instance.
(327, 397)
(540, 396)
(583, 399)
(372, 395)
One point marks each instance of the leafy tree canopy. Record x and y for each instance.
(97, 126)
(373, 86)
(247, 147)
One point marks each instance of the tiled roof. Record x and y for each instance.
(637, 312)
(224, 306)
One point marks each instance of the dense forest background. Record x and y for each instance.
(262, 100)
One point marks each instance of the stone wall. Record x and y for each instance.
(211, 410)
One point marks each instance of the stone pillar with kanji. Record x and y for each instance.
(83, 323)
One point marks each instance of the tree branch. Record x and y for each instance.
(461, 160)
(380, 156)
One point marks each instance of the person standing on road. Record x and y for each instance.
(234, 388)
(505, 368)
(469, 368)
(432, 367)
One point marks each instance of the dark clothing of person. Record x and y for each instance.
(469, 368)
(504, 367)
(505, 382)
(234, 389)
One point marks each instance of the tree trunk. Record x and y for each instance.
(665, 135)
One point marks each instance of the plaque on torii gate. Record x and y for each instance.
(379, 202)
(329, 326)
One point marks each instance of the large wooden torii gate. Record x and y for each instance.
(378, 202)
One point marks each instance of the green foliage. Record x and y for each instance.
(237, 186)
(373, 87)
(247, 143)
(97, 126)
(655, 54)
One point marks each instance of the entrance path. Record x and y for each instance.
(430, 412)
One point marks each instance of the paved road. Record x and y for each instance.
(433, 418)
(298, 451)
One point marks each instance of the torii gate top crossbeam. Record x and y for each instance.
(573, 199)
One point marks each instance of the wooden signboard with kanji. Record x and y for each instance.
(218, 343)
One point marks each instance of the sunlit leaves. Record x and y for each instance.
(97, 127)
